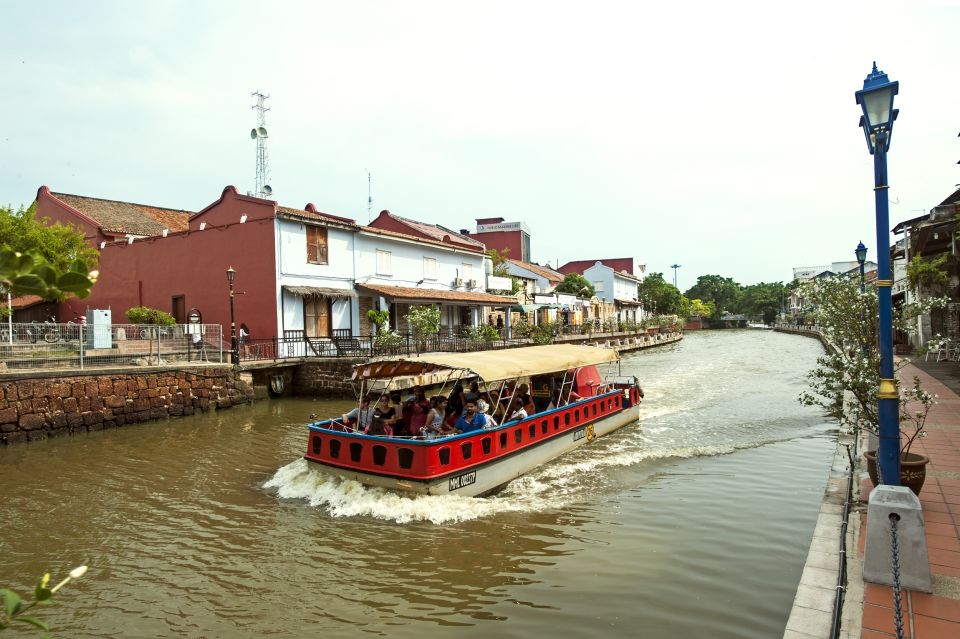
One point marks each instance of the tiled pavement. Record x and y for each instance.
(937, 615)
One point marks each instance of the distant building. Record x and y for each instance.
(615, 281)
(510, 237)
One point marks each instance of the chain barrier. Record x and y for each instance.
(895, 567)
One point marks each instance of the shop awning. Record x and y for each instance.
(525, 308)
(424, 295)
(320, 291)
(627, 302)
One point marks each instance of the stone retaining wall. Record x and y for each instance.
(46, 405)
(325, 378)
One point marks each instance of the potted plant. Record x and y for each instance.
(846, 380)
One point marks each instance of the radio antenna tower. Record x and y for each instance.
(369, 198)
(262, 187)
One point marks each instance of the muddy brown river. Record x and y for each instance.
(694, 522)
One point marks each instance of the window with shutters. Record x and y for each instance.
(384, 263)
(429, 268)
(316, 245)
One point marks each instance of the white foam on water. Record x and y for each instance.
(346, 498)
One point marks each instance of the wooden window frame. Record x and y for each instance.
(317, 245)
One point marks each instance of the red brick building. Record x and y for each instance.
(513, 237)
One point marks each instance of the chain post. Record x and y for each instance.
(895, 567)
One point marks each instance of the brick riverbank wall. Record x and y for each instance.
(48, 405)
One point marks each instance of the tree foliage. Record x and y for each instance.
(764, 299)
(928, 274)
(576, 284)
(60, 246)
(150, 316)
(424, 321)
(656, 293)
(52, 262)
(722, 291)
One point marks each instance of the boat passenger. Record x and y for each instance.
(484, 409)
(472, 419)
(415, 411)
(498, 405)
(473, 394)
(555, 400)
(434, 423)
(523, 393)
(360, 417)
(386, 411)
(381, 427)
(455, 402)
(517, 410)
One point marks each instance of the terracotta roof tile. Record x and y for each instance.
(317, 215)
(429, 294)
(415, 238)
(543, 271)
(126, 217)
(438, 232)
(25, 301)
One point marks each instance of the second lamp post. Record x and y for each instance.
(234, 351)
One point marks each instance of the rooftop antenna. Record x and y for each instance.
(369, 198)
(262, 187)
(675, 267)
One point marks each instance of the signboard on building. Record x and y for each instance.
(495, 283)
(503, 226)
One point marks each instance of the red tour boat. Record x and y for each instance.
(483, 461)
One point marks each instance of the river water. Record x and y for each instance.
(695, 522)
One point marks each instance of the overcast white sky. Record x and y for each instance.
(722, 137)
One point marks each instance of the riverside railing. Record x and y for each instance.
(73, 345)
(342, 344)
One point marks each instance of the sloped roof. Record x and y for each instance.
(543, 271)
(430, 294)
(312, 213)
(618, 264)
(26, 301)
(113, 216)
(434, 232)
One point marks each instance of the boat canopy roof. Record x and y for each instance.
(488, 365)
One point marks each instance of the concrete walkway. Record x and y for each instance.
(937, 615)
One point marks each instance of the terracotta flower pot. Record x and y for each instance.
(913, 469)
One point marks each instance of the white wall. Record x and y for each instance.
(602, 273)
(407, 267)
(294, 270)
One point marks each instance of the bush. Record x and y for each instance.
(542, 333)
(484, 334)
(521, 328)
(424, 321)
(151, 316)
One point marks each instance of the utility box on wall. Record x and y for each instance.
(99, 329)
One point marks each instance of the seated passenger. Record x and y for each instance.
(473, 393)
(417, 409)
(359, 418)
(471, 420)
(517, 411)
(523, 393)
(555, 401)
(379, 426)
(434, 423)
(484, 409)
(455, 402)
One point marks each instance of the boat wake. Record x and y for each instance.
(573, 478)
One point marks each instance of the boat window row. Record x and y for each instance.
(405, 456)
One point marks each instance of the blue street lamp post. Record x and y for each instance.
(876, 100)
(861, 253)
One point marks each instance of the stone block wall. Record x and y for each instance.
(325, 378)
(44, 406)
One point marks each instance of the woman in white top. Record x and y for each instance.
(517, 411)
(434, 424)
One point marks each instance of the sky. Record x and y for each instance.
(718, 136)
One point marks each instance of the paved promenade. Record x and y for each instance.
(937, 615)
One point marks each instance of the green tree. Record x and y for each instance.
(53, 262)
(764, 299)
(576, 284)
(499, 259)
(722, 291)
(58, 245)
(424, 321)
(655, 292)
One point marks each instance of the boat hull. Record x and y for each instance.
(493, 475)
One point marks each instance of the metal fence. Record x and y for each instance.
(295, 344)
(72, 345)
